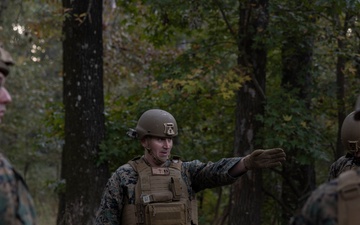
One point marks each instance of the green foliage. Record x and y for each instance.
(273, 205)
(198, 120)
(186, 81)
(288, 123)
(180, 56)
(191, 71)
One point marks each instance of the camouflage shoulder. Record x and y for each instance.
(299, 220)
(133, 163)
(4, 162)
(321, 206)
(17, 199)
(339, 165)
(7, 172)
(26, 207)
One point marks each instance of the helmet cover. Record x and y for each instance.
(350, 133)
(157, 123)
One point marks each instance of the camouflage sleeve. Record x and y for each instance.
(16, 203)
(113, 198)
(210, 175)
(339, 165)
(320, 207)
(332, 172)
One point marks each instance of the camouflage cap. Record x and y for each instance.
(5, 60)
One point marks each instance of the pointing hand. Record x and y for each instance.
(268, 158)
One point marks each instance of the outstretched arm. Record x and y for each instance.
(258, 159)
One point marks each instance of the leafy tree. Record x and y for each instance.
(184, 56)
(253, 22)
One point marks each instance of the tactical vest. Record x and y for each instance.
(161, 197)
(349, 198)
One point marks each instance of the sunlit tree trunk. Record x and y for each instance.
(246, 193)
(84, 112)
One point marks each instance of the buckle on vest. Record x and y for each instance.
(146, 199)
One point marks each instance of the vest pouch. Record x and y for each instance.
(175, 187)
(172, 213)
(348, 198)
(165, 196)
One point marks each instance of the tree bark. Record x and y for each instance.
(340, 79)
(84, 112)
(250, 102)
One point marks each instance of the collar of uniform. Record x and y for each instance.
(166, 164)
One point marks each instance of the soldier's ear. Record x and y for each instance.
(145, 142)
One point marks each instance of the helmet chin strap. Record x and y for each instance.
(156, 160)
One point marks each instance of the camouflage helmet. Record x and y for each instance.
(157, 123)
(350, 133)
(5, 60)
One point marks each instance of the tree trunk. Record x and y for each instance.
(247, 194)
(297, 61)
(84, 112)
(340, 80)
(340, 95)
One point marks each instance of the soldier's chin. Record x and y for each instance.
(163, 159)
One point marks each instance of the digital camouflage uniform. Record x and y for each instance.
(322, 207)
(350, 138)
(343, 164)
(197, 176)
(16, 204)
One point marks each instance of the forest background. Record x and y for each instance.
(237, 76)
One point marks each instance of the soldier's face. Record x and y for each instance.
(160, 147)
(5, 97)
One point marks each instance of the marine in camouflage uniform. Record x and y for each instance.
(198, 176)
(120, 189)
(336, 202)
(350, 136)
(344, 163)
(320, 208)
(16, 204)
